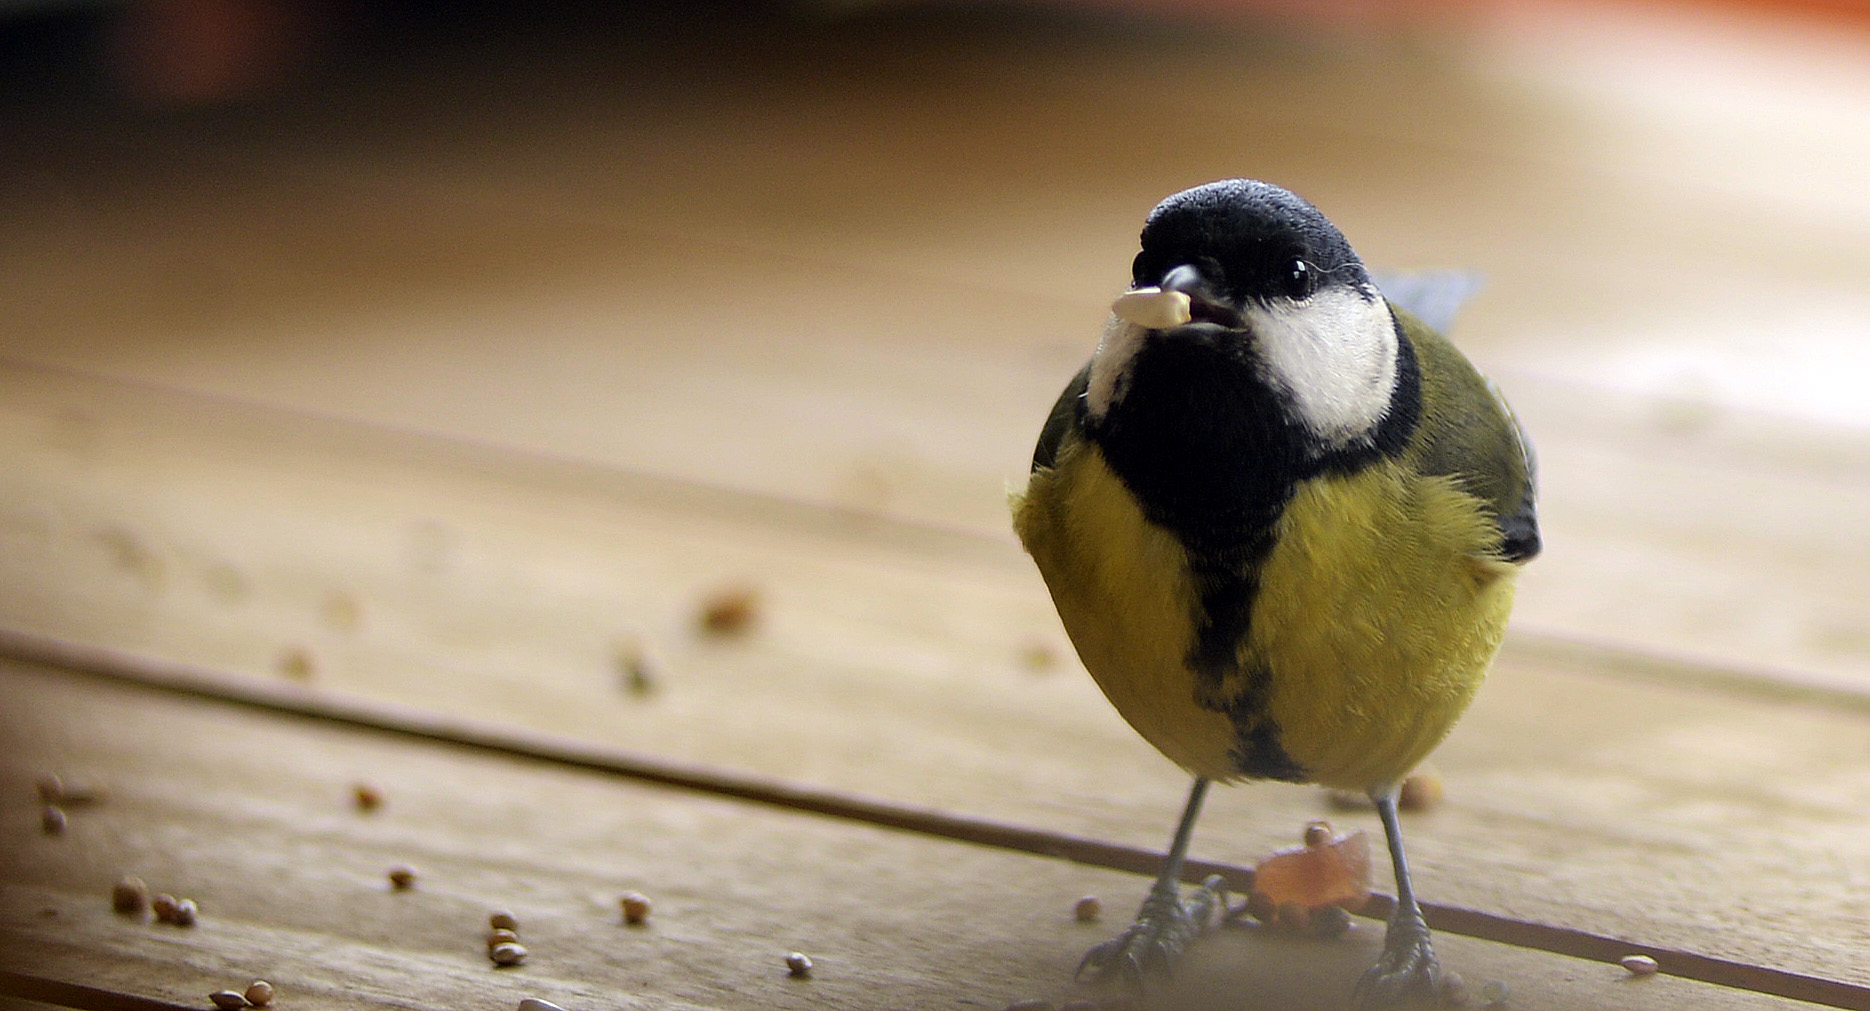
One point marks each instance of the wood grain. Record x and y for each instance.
(440, 380)
(1629, 808)
(250, 814)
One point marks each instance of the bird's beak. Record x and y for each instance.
(1183, 297)
(1206, 305)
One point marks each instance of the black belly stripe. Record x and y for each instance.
(1229, 589)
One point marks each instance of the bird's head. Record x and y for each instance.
(1259, 275)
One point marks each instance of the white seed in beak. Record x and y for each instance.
(1153, 308)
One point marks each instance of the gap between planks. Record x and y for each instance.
(198, 682)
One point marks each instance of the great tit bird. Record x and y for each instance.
(1281, 519)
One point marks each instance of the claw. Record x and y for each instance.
(1163, 931)
(1407, 971)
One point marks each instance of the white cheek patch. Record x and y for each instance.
(1335, 355)
(1111, 364)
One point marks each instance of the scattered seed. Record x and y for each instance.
(366, 796)
(1317, 834)
(639, 665)
(1260, 906)
(730, 611)
(503, 920)
(228, 1000)
(129, 896)
(1639, 965)
(635, 907)
(173, 911)
(1088, 909)
(507, 954)
(1038, 656)
(799, 964)
(1421, 792)
(402, 877)
(1452, 990)
(296, 663)
(185, 913)
(259, 993)
(535, 1004)
(51, 788)
(495, 938)
(1329, 922)
(52, 819)
(1291, 916)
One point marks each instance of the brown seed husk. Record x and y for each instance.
(1317, 833)
(635, 907)
(507, 954)
(367, 797)
(1422, 791)
(259, 993)
(1088, 909)
(129, 896)
(799, 964)
(1038, 656)
(228, 1000)
(296, 662)
(731, 610)
(639, 665)
(503, 920)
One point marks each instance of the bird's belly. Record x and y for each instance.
(1379, 611)
(1375, 620)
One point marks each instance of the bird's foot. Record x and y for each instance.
(1407, 975)
(1164, 928)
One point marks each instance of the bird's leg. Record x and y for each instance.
(1166, 924)
(1408, 970)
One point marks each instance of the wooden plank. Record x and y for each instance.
(250, 814)
(899, 277)
(894, 279)
(201, 685)
(889, 662)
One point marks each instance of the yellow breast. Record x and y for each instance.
(1378, 613)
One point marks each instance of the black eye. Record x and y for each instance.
(1299, 279)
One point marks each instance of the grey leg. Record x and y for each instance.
(1166, 924)
(1408, 969)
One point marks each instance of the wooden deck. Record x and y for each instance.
(349, 438)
